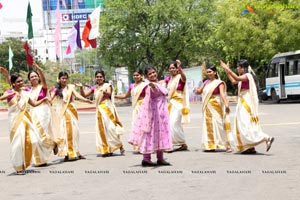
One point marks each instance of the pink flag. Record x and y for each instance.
(57, 31)
(68, 50)
(74, 38)
(75, 5)
(1, 5)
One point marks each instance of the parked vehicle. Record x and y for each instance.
(283, 77)
(262, 95)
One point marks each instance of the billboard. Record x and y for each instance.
(71, 4)
(70, 12)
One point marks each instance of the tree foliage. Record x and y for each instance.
(134, 33)
(19, 58)
(256, 36)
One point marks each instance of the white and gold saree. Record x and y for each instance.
(68, 118)
(136, 100)
(247, 132)
(178, 107)
(44, 120)
(23, 134)
(108, 126)
(216, 126)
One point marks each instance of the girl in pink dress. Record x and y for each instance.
(151, 131)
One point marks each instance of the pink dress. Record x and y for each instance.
(151, 131)
(42, 94)
(217, 89)
(142, 94)
(180, 86)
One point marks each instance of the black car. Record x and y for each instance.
(262, 95)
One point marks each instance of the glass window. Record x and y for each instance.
(287, 68)
(270, 71)
(275, 73)
(295, 68)
(291, 66)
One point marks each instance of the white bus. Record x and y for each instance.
(283, 77)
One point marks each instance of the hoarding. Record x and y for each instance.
(49, 5)
(70, 12)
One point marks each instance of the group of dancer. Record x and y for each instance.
(159, 109)
(216, 128)
(217, 133)
(37, 129)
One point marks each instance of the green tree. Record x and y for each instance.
(19, 59)
(90, 59)
(135, 33)
(52, 69)
(272, 27)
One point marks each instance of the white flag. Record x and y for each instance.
(95, 19)
(10, 55)
(64, 4)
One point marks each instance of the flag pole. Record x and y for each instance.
(27, 64)
(33, 54)
(57, 35)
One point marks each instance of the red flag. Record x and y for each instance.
(29, 55)
(1, 5)
(91, 29)
(85, 35)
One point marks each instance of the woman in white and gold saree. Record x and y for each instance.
(108, 126)
(137, 92)
(178, 104)
(24, 137)
(68, 117)
(247, 132)
(44, 118)
(216, 126)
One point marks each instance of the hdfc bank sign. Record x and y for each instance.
(74, 16)
(65, 17)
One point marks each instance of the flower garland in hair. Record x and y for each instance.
(251, 70)
(218, 76)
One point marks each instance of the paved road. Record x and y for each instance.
(193, 174)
